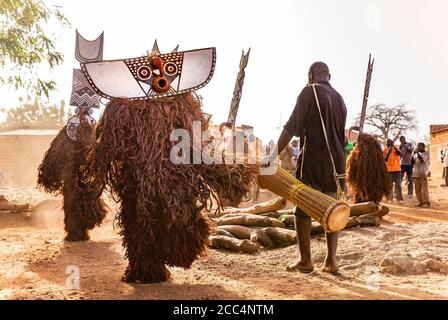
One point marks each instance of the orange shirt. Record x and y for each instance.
(393, 163)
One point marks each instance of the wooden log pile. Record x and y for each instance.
(6, 206)
(273, 205)
(241, 230)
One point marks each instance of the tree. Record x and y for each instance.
(33, 114)
(24, 45)
(390, 122)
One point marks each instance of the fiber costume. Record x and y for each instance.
(366, 170)
(60, 170)
(160, 219)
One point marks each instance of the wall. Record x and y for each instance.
(21, 152)
(439, 140)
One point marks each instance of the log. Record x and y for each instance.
(287, 219)
(274, 214)
(356, 210)
(361, 209)
(364, 221)
(268, 206)
(280, 236)
(47, 205)
(261, 237)
(277, 236)
(233, 244)
(3, 201)
(317, 229)
(255, 235)
(5, 205)
(288, 237)
(249, 220)
(19, 208)
(370, 220)
(382, 211)
(222, 232)
(239, 232)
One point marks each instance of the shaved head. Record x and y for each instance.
(319, 71)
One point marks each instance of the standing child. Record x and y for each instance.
(421, 166)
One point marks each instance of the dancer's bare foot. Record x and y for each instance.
(301, 266)
(330, 266)
(80, 235)
(148, 275)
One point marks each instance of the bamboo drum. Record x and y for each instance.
(332, 214)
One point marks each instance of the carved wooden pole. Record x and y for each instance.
(238, 91)
(366, 94)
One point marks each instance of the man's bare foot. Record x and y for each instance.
(301, 266)
(330, 266)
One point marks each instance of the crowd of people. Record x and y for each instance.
(444, 158)
(402, 161)
(414, 163)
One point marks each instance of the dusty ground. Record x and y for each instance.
(405, 258)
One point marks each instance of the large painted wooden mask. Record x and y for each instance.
(152, 76)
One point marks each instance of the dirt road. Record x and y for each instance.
(405, 258)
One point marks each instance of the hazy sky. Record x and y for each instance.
(408, 38)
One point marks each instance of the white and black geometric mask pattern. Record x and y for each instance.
(152, 76)
(82, 93)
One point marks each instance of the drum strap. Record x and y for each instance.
(337, 177)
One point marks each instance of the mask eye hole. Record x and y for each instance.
(144, 73)
(171, 69)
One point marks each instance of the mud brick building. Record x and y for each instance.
(21, 152)
(439, 140)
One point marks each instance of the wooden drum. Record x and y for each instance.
(332, 214)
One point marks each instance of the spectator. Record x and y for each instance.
(296, 149)
(445, 165)
(349, 146)
(392, 158)
(406, 150)
(420, 159)
(287, 160)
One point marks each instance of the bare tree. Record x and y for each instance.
(390, 122)
(33, 114)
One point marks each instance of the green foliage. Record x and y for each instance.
(25, 45)
(34, 114)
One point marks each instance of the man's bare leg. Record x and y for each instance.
(330, 264)
(303, 230)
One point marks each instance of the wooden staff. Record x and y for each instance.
(366, 94)
(237, 93)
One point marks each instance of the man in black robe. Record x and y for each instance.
(314, 166)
